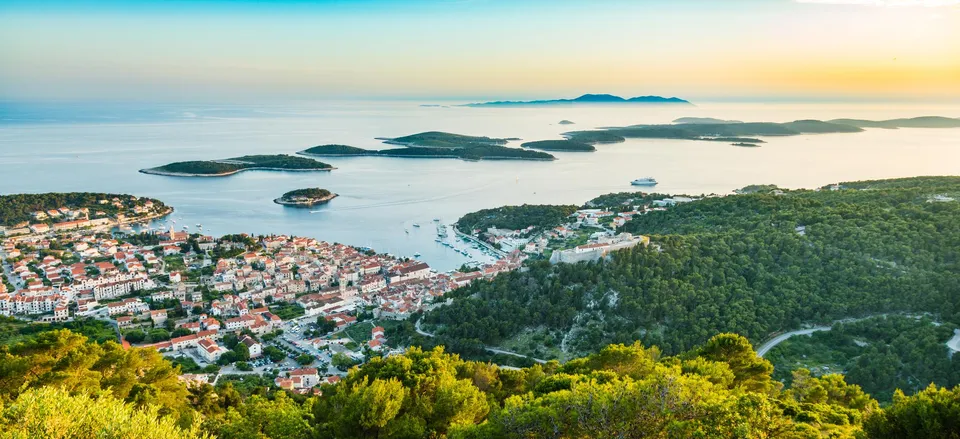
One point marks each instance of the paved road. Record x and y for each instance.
(488, 349)
(764, 348)
(953, 344)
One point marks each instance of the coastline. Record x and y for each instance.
(154, 171)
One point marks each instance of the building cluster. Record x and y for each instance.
(77, 271)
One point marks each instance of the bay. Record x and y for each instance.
(60, 147)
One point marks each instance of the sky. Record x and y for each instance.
(480, 49)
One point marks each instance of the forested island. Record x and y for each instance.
(438, 139)
(225, 167)
(710, 129)
(588, 99)
(755, 264)
(305, 197)
(19, 208)
(712, 390)
(438, 145)
(559, 145)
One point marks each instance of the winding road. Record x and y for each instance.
(953, 344)
(769, 344)
(420, 331)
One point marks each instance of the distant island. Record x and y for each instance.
(470, 154)
(559, 145)
(444, 147)
(741, 133)
(439, 139)
(745, 145)
(916, 122)
(589, 99)
(565, 122)
(305, 197)
(222, 168)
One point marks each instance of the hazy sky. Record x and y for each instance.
(716, 49)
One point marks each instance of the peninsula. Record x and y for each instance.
(58, 212)
(589, 99)
(222, 168)
(305, 197)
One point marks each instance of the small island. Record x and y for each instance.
(560, 145)
(565, 122)
(305, 197)
(225, 167)
(746, 145)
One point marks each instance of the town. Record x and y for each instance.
(296, 309)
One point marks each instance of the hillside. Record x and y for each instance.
(516, 217)
(61, 385)
(17, 208)
(753, 264)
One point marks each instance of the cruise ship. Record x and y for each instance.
(645, 181)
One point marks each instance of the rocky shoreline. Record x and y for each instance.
(305, 202)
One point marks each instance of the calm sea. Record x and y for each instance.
(86, 147)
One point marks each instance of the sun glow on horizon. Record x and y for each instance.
(695, 49)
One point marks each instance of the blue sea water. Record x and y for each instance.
(83, 146)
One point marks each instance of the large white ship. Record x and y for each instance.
(645, 181)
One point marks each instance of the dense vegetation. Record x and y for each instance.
(559, 145)
(594, 137)
(623, 201)
(247, 162)
(541, 216)
(473, 151)
(916, 122)
(61, 386)
(335, 150)
(14, 331)
(735, 131)
(437, 139)
(17, 208)
(307, 196)
(751, 264)
(879, 354)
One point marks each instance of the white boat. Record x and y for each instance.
(416, 225)
(645, 181)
